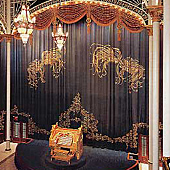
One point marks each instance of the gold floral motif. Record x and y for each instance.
(104, 54)
(130, 139)
(89, 124)
(32, 128)
(36, 69)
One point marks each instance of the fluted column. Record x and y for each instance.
(166, 80)
(155, 12)
(8, 78)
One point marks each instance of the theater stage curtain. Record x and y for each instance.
(112, 105)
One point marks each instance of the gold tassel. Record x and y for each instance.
(31, 39)
(88, 20)
(119, 27)
(119, 34)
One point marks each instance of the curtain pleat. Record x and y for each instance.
(112, 104)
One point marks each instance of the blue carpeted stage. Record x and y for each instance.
(36, 156)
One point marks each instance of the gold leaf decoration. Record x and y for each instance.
(36, 69)
(102, 55)
(89, 124)
(32, 127)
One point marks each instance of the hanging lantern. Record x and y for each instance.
(24, 23)
(59, 37)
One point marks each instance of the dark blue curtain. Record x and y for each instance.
(113, 105)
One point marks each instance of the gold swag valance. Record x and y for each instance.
(102, 14)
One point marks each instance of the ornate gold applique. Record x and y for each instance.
(32, 128)
(36, 69)
(104, 54)
(89, 124)
(87, 120)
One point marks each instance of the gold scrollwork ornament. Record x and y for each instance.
(36, 69)
(102, 55)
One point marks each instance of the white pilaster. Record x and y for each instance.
(166, 79)
(156, 53)
(150, 100)
(8, 79)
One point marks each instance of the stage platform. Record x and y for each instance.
(36, 156)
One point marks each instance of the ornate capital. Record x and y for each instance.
(149, 30)
(156, 12)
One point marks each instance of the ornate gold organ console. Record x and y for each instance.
(66, 143)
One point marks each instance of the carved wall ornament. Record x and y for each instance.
(36, 69)
(102, 55)
(156, 12)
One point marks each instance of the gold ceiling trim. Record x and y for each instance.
(36, 69)
(102, 55)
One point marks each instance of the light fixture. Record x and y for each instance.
(59, 37)
(24, 23)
